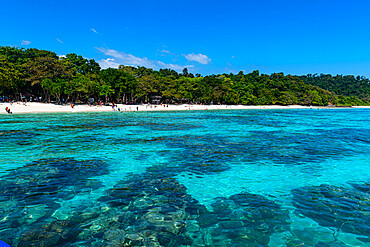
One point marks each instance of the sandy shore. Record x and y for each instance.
(34, 107)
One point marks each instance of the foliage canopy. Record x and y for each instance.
(43, 74)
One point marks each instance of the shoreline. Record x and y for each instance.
(35, 107)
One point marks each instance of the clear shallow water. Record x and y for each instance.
(192, 178)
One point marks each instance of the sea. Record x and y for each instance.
(292, 177)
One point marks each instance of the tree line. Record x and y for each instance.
(26, 73)
(347, 85)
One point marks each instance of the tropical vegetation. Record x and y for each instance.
(45, 76)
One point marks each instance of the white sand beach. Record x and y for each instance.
(34, 107)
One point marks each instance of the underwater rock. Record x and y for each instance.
(365, 187)
(243, 219)
(143, 203)
(53, 234)
(154, 209)
(171, 240)
(220, 205)
(305, 235)
(331, 244)
(154, 205)
(39, 238)
(42, 180)
(294, 243)
(199, 157)
(81, 216)
(20, 137)
(207, 219)
(231, 224)
(343, 208)
(115, 235)
(34, 191)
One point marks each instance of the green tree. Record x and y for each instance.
(123, 84)
(44, 68)
(148, 86)
(56, 87)
(9, 76)
(82, 65)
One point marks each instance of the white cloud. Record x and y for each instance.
(92, 29)
(173, 66)
(200, 58)
(59, 41)
(127, 59)
(111, 52)
(25, 42)
(108, 63)
(167, 52)
(119, 57)
(62, 56)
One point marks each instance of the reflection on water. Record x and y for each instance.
(215, 178)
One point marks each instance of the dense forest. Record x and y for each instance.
(342, 85)
(42, 75)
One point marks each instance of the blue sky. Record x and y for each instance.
(208, 37)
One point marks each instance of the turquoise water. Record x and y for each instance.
(190, 178)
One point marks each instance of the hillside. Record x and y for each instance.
(348, 85)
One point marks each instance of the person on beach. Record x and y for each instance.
(7, 109)
(72, 105)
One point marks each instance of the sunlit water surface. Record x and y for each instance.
(190, 178)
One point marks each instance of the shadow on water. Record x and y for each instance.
(345, 209)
